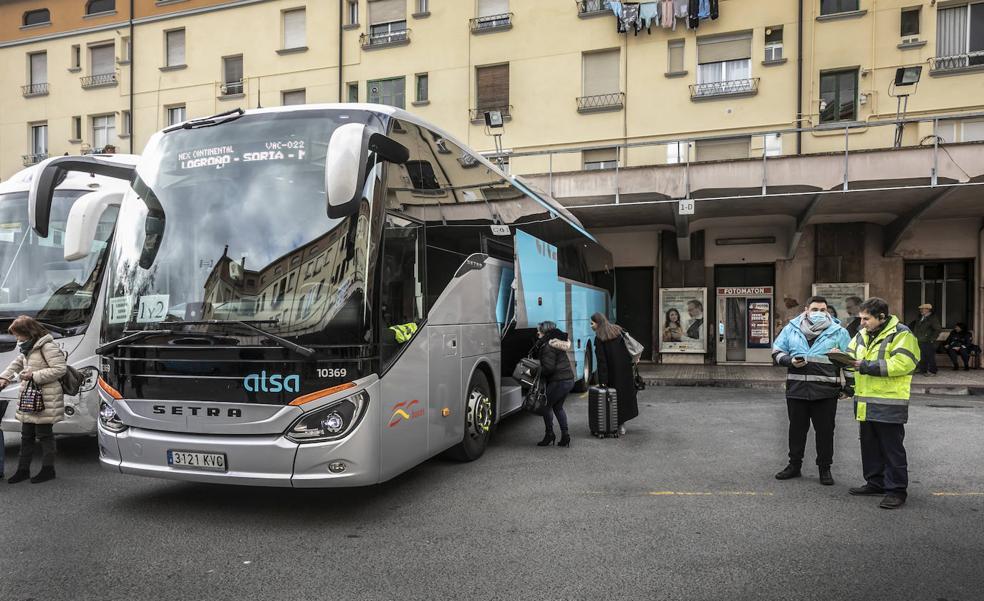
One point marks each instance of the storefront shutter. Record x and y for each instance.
(487, 8)
(387, 11)
(493, 86)
(103, 59)
(601, 73)
(294, 29)
(718, 49)
(721, 150)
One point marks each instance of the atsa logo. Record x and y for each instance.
(404, 411)
(262, 382)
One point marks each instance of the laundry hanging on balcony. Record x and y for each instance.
(636, 16)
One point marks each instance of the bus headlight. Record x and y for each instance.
(109, 419)
(331, 422)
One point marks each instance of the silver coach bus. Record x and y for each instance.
(324, 295)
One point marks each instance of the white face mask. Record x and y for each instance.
(818, 317)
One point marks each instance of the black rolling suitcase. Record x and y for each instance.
(603, 412)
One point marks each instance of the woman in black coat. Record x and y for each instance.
(615, 367)
(558, 377)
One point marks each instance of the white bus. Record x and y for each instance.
(325, 295)
(37, 279)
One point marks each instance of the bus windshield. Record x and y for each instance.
(229, 224)
(35, 278)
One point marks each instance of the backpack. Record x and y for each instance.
(73, 379)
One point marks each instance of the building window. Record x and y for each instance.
(945, 285)
(604, 158)
(126, 49)
(492, 89)
(674, 53)
(492, 15)
(423, 87)
(293, 97)
(839, 96)
(423, 6)
(832, 7)
(39, 140)
(723, 150)
(102, 60)
(127, 123)
(353, 91)
(38, 65)
(103, 132)
(959, 37)
(773, 44)
(76, 57)
(910, 21)
(77, 128)
(724, 64)
(387, 33)
(37, 17)
(232, 75)
(295, 35)
(678, 152)
(353, 12)
(99, 6)
(600, 73)
(391, 92)
(174, 42)
(176, 114)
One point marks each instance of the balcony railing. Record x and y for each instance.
(957, 61)
(34, 89)
(397, 37)
(717, 89)
(231, 88)
(34, 159)
(479, 113)
(98, 81)
(601, 103)
(589, 8)
(491, 23)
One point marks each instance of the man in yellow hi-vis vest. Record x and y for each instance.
(886, 353)
(403, 332)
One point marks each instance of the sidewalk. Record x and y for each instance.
(773, 378)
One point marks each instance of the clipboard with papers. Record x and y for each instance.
(841, 358)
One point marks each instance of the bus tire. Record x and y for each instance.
(585, 381)
(479, 418)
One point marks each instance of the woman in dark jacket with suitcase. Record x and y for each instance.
(557, 375)
(615, 367)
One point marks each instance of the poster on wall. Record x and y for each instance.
(759, 317)
(844, 302)
(682, 325)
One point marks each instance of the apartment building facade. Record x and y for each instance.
(774, 123)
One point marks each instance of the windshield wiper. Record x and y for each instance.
(208, 121)
(287, 344)
(56, 329)
(112, 344)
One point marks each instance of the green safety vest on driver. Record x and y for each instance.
(881, 384)
(404, 331)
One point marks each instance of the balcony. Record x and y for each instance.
(101, 80)
(478, 115)
(34, 159)
(593, 8)
(398, 37)
(232, 89)
(724, 89)
(491, 23)
(34, 89)
(601, 103)
(958, 63)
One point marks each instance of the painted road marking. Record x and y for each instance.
(675, 493)
(958, 494)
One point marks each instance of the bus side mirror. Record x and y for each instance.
(52, 172)
(83, 222)
(347, 163)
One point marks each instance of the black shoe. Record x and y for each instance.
(565, 440)
(866, 490)
(47, 473)
(790, 471)
(893, 500)
(548, 439)
(825, 478)
(19, 476)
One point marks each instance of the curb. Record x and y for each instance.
(774, 385)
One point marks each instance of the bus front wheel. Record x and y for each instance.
(479, 415)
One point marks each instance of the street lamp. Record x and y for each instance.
(905, 83)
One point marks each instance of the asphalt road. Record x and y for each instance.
(684, 507)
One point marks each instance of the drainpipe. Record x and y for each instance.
(341, 19)
(799, 79)
(132, 46)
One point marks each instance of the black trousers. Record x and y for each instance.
(883, 456)
(927, 358)
(954, 353)
(823, 415)
(43, 433)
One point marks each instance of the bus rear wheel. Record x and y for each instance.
(479, 415)
(585, 381)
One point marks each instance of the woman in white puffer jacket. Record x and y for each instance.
(40, 361)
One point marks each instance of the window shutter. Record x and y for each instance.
(493, 87)
(295, 97)
(720, 150)
(387, 11)
(608, 155)
(103, 58)
(487, 8)
(951, 36)
(294, 34)
(176, 47)
(39, 68)
(601, 73)
(718, 49)
(675, 51)
(233, 69)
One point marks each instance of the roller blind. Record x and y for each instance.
(718, 49)
(294, 34)
(675, 52)
(294, 97)
(720, 150)
(233, 69)
(386, 11)
(608, 155)
(493, 86)
(102, 60)
(487, 8)
(39, 68)
(176, 47)
(601, 73)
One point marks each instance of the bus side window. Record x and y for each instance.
(402, 284)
